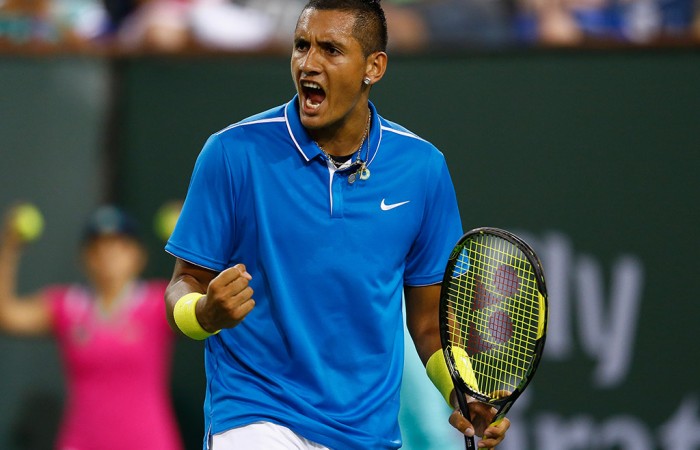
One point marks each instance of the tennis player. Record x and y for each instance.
(325, 213)
(114, 342)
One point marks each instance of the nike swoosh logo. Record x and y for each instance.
(386, 207)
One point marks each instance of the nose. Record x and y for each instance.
(309, 63)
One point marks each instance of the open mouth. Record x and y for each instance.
(313, 94)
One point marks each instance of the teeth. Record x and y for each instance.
(311, 104)
(310, 84)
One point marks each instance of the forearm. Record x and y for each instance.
(21, 316)
(422, 319)
(228, 298)
(183, 282)
(9, 262)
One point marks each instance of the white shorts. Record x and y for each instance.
(262, 436)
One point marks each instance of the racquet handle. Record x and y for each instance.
(469, 442)
(464, 409)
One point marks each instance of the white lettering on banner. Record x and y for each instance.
(625, 432)
(607, 335)
(621, 432)
(682, 430)
(556, 433)
(548, 430)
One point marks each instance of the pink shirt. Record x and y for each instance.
(117, 370)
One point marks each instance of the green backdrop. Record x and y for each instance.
(590, 155)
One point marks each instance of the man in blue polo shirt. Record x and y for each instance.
(325, 213)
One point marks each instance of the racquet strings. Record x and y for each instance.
(495, 314)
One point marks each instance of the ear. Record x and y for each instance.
(376, 67)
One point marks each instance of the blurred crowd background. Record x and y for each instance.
(415, 25)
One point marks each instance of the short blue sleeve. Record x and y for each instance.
(440, 230)
(205, 229)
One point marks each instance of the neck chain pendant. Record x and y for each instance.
(362, 172)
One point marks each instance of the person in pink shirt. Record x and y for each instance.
(114, 339)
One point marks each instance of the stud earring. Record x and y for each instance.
(366, 81)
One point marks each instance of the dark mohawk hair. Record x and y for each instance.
(370, 23)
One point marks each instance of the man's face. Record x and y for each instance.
(328, 66)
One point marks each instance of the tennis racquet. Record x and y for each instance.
(493, 318)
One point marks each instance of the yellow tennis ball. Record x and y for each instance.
(166, 218)
(28, 222)
(464, 367)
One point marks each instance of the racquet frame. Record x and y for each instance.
(504, 403)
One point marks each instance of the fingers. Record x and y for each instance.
(482, 415)
(229, 299)
(494, 434)
(233, 273)
(230, 283)
(460, 422)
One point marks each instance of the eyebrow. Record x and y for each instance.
(324, 43)
(331, 43)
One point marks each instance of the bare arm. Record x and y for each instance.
(422, 305)
(228, 297)
(422, 320)
(25, 316)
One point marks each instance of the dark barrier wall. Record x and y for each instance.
(591, 156)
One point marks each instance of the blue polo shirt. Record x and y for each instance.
(322, 351)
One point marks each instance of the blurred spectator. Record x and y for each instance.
(118, 10)
(230, 25)
(227, 25)
(159, 25)
(573, 22)
(67, 23)
(112, 333)
(444, 25)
